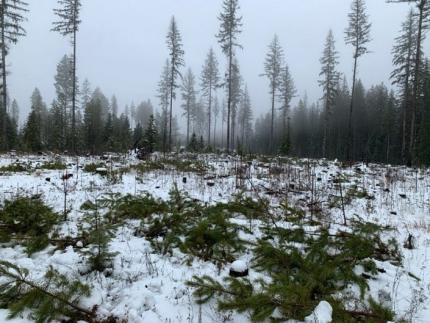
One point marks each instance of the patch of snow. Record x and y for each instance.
(321, 314)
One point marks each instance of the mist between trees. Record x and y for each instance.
(384, 123)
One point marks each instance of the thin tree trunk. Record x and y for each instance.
(222, 133)
(273, 121)
(210, 112)
(165, 131)
(326, 117)
(230, 67)
(388, 149)
(214, 136)
(74, 82)
(350, 143)
(171, 115)
(4, 88)
(233, 130)
(188, 126)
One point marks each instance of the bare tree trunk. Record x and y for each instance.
(350, 143)
(4, 85)
(326, 117)
(171, 114)
(214, 136)
(74, 81)
(188, 126)
(230, 68)
(222, 133)
(210, 113)
(165, 130)
(272, 126)
(388, 148)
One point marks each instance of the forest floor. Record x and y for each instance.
(147, 283)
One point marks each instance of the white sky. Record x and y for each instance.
(121, 44)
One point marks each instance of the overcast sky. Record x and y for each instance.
(121, 44)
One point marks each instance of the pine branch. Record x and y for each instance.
(19, 278)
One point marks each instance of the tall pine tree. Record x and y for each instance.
(176, 54)
(68, 25)
(357, 35)
(273, 71)
(230, 28)
(329, 81)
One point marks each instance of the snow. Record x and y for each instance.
(321, 314)
(239, 266)
(147, 287)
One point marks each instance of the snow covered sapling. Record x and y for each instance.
(29, 220)
(99, 236)
(49, 299)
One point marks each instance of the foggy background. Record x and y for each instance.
(122, 49)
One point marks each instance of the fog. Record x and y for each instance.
(121, 44)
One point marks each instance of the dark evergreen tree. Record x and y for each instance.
(93, 126)
(56, 137)
(423, 8)
(32, 132)
(151, 135)
(402, 75)
(137, 136)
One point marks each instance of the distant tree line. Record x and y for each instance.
(349, 122)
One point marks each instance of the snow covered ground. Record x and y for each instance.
(147, 287)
